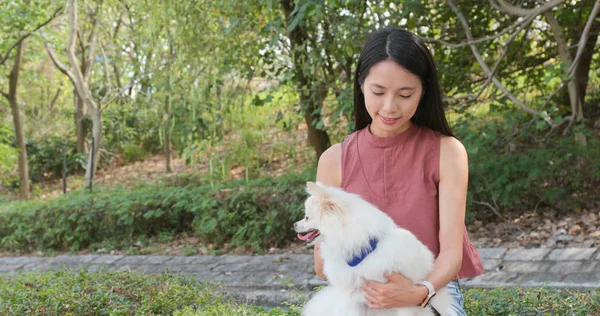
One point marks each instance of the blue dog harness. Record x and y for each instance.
(363, 254)
(357, 259)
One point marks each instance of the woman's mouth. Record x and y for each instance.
(387, 120)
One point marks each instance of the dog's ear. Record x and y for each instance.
(329, 206)
(316, 189)
(330, 209)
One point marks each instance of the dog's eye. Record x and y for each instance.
(306, 218)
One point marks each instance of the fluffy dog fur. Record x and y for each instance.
(344, 223)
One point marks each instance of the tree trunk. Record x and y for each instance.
(16, 114)
(582, 72)
(80, 81)
(167, 132)
(97, 135)
(317, 138)
(569, 96)
(311, 96)
(167, 115)
(81, 125)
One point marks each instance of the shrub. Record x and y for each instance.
(510, 167)
(255, 215)
(132, 153)
(45, 158)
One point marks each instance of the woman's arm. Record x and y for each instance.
(329, 171)
(454, 177)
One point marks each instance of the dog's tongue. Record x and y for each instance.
(308, 235)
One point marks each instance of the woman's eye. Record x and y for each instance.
(375, 93)
(406, 96)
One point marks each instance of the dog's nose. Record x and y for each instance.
(295, 224)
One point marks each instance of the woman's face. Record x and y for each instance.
(392, 95)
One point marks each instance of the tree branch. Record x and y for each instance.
(106, 66)
(563, 51)
(482, 63)
(56, 13)
(584, 37)
(4, 94)
(92, 41)
(559, 36)
(476, 41)
(58, 63)
(528, 22)
(468, 97)
(79, 83)
(503, 6)
(54, 99)
(492, 208)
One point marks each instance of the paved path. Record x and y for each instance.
(267, 280)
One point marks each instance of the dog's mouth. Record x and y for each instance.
(309, 235)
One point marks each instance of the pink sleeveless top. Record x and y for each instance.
(400, 175)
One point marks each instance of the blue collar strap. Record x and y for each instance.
(363, 254)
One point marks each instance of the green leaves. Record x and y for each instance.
(255, 216)
(298, 15)
(257, 101)
(514, 175)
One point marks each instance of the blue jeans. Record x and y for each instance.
(457, 304)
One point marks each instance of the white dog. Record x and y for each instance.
(350, 228)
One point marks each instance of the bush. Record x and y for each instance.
(129, 124)
(511, 167)
(8, 154)
(560, 174)
(132, 153)
(45, 158)
(255, 215)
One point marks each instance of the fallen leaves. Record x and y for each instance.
(544, 228)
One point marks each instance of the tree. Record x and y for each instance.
(310, 98)
(515, 40)
(81, 83)
(13, 84)
(16, 114)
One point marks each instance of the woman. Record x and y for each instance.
(404, 159)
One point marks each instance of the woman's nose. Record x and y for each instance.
(389, 105)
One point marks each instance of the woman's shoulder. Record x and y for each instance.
(330, 165)
(453, 157)
(446, 143)
(451, 147)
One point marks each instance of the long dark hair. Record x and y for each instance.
(408, 51)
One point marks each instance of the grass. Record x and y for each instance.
(116, 293)
(65, 292)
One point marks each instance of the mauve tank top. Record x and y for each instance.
(400, 175)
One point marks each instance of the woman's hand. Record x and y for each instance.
(398, 292)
